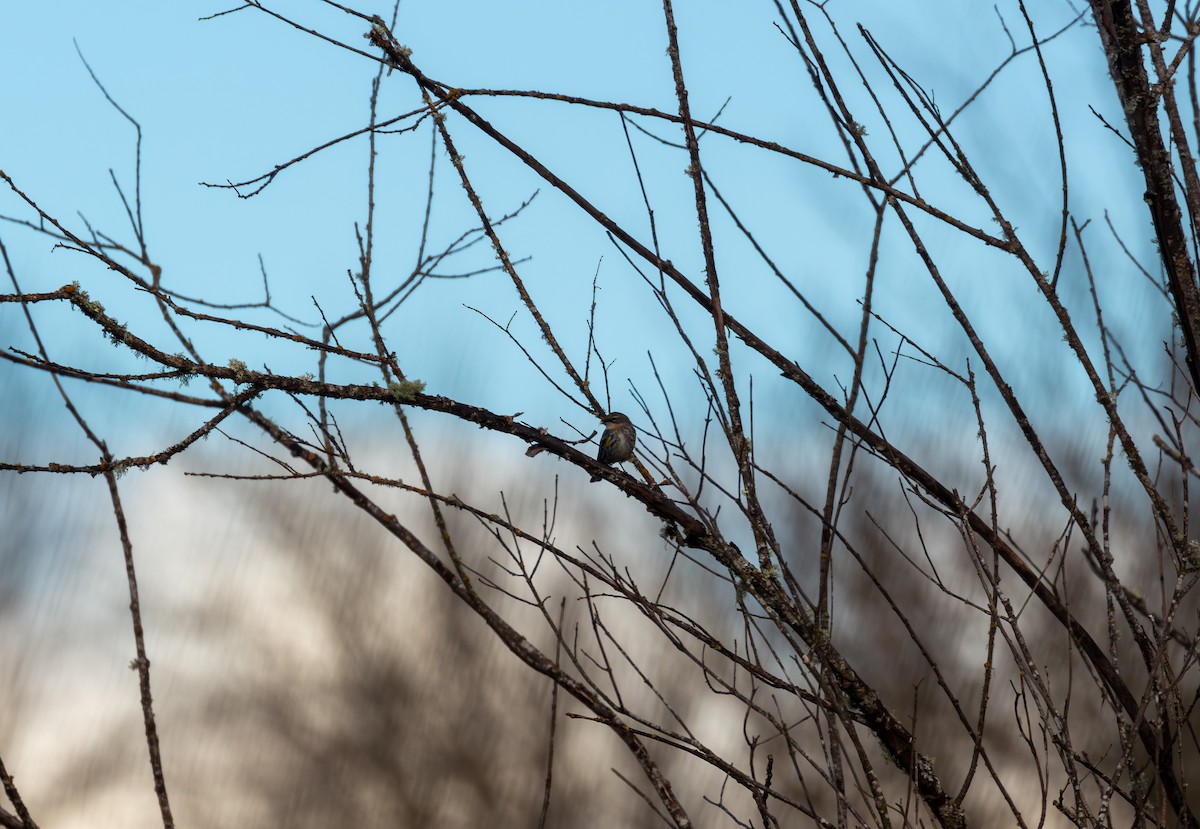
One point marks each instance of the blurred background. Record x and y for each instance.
(305, 669)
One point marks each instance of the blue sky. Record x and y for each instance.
(228, 98)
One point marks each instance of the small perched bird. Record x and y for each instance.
(616, 444)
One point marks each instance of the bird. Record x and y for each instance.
(616, 444)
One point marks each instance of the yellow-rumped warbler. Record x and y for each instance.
(616, 444)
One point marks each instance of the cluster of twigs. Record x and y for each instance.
(839, 753)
